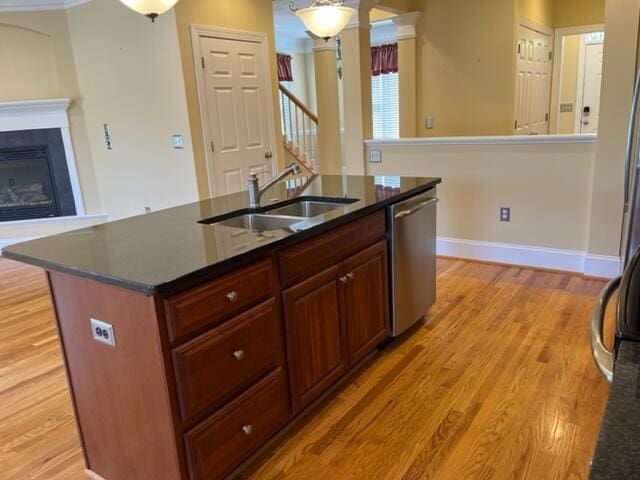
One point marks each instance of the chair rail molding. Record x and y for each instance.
(36, 5)
(488, 140)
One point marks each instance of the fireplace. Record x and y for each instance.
(34, 178)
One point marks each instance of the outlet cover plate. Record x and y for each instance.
(375, 156)
(103, 332)
(505, 214)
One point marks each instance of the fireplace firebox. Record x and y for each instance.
(34, 178)
(27, 184)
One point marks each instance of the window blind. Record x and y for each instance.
(385, 103)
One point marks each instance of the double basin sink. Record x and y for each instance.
(279, 216)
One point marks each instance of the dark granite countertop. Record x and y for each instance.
(168, 250)
(617, 455)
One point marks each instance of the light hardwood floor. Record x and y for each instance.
(497, 383)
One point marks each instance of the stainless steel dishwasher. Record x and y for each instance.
(412, 259)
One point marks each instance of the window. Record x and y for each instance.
(385, 103)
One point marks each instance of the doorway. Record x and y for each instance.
(533, 79)
(575, 103)
(236, 108)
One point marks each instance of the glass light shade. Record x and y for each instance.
(325, 21)
(150, 7)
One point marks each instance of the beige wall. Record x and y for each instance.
(547, 186)
(302, 86)
(247, 15)
(618, 72)
(37, 59)
(572, 13)
(540, 11)
(569, 81)
(130, 76)
(465, 67)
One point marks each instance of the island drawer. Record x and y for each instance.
(312, 256)
(220, 443)
(218, 365)
(215, 301)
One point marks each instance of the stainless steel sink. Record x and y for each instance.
(308, 208)
(259, 222)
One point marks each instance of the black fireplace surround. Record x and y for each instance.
(34, 177)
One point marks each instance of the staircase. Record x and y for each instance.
(299, 130)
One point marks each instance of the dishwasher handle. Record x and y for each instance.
(414, 209)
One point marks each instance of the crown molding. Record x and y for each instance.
(37, 5)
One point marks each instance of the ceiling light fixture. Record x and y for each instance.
(324, 18)
(150, 8)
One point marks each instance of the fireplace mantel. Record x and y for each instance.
(39, 114)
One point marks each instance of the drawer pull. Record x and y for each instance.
(349, 276)
(232, 296)
(247, 429)
(238, 354)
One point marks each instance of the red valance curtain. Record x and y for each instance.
(384, 59)
(284, 68)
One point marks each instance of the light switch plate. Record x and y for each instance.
(177, 141)
(566, 107)
(103, 332)
(375, 156)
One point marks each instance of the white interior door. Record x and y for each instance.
(238, 121)
(533, 82)
(590, 109)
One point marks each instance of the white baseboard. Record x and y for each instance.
(530, 256)
(602, 266)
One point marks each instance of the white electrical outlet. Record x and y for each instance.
(428, 122)
(103, 332)
(375, 156)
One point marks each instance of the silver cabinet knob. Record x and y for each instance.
(247, 429)
(350, 276)
(232, 296)
(343, 279)
(238, 354)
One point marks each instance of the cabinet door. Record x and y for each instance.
(315, 337)
(364, 300)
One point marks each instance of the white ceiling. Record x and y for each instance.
(33, 5)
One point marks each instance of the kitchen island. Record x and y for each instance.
(192, 335)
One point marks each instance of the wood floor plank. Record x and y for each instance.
(497, 382)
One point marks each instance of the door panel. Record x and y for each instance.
(315, 338)
(363, 298)
(236, 111)
(591, 90)
(533, 83)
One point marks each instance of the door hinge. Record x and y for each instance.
(550, 54)
(546, 117)
(515, 125)
(202, 60)
(519, 47)
(213, 147)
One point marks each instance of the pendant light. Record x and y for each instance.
(324, 18)
(150, 8)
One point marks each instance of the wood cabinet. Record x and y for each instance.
(335, 319)
(315, 336)
(200, 380)
(364, 301)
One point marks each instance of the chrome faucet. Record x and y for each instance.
(255, 191)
